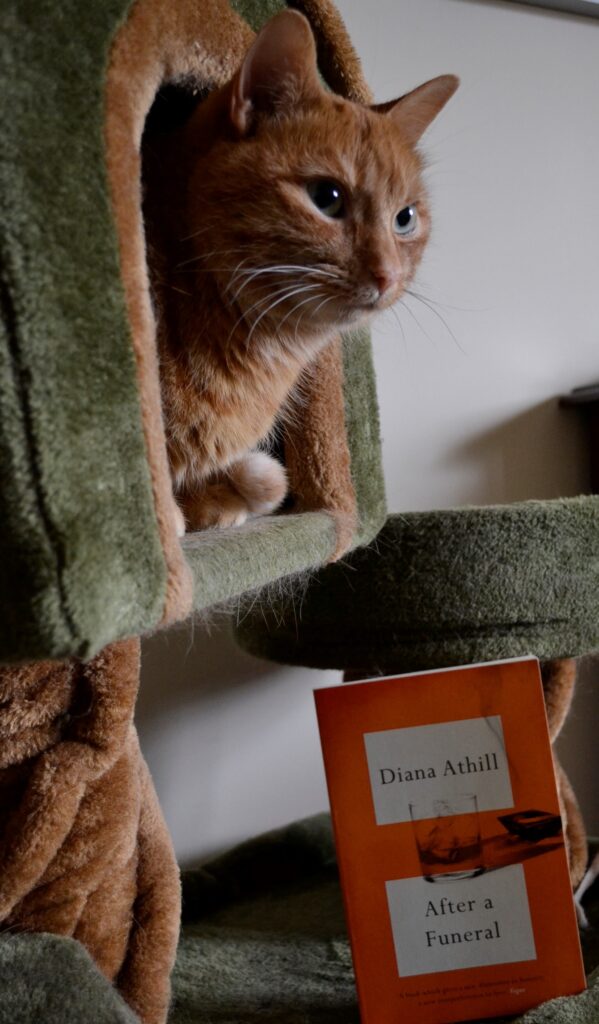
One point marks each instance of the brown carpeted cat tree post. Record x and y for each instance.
(85, 851)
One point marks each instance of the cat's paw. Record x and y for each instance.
(256, 485)
(217, 505)
(261, 481)
(179, 520)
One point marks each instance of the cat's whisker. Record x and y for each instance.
(329, 298)
(285, 292)
(435, 312)
(398, 319)
(207, 255)
(272, 306)
(280, 269)
(236, 273)
(288, 284)
(411, 313)
(251, 276)
(294, 309)
(446, 305)
(384, 318)
(194, 234)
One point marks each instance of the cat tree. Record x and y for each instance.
(89, 544)
(89, 549)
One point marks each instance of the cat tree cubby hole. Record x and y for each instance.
(331, 449)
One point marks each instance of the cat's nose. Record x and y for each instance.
(386, 279)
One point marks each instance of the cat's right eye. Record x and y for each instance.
(327, 196)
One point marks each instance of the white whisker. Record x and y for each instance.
(311, 298)
(283, 268)
(280, 269)
(411, 313)
(278, 301)
(329, 298)
(286, 291)
(435, 312)
(207, 255)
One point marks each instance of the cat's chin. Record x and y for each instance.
(356, 316)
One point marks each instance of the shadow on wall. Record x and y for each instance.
(231, 741)
(176, 672)
(516, 459)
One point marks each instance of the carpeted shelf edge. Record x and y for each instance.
(445, 588)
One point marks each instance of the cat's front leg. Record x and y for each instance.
(253, 486)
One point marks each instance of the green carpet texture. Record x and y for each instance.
(264, 942)
(82, 562)
(444, 588)
(81, 557)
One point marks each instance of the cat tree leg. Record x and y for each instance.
(144, 978)
(559, 680)
(36, 829)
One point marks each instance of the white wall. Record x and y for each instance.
(469, 411)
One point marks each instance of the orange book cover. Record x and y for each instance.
(449, 841)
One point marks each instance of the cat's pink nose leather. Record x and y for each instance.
(385, 278)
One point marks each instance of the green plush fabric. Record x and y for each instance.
(445, 588)
(80, 551)
(363, 430)
(81, 558)
(256, 552)
(264, 940)
(45, 979)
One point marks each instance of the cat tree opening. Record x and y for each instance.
(331, 451)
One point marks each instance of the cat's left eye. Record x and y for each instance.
(406, 221)
(327, 196)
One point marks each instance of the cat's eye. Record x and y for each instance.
(406, 221)
(327, 196)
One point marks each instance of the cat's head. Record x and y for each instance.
(311, 209)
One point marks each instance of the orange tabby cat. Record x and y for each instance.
(288, 213)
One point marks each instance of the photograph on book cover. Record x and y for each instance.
(449, 841)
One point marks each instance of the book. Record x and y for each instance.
(450, 844)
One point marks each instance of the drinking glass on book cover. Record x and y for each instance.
(447, 833)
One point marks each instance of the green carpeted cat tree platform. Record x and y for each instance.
(445, 588)
(87, 538)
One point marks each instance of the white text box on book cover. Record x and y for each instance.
(448, 926)
(438, 762)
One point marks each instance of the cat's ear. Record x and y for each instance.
(414, 112)
(279, 69)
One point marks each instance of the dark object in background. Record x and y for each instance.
(532, 825)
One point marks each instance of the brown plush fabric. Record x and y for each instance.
(158, 42)
(559, 680)
(316, 452)
(336, 55)
(201, 46)
(84, 850)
